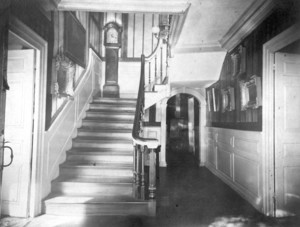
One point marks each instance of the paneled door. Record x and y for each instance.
(18, 131)
(287, 133)
(4, 18)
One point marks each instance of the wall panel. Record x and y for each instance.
(238, 161)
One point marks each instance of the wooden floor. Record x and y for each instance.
(188, 196)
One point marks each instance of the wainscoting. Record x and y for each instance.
(236, 157)
(58, 139)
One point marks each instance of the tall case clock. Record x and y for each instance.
(112, 43)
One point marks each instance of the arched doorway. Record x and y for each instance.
(201, 124)
(182, 146)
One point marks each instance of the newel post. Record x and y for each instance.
(152, 173)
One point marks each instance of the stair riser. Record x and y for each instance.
(118, 108)
(105, 125)
(113, 101)
(110, 116)
(92, 189)
(105, 135)
(125, 146)
(97, 209)
(100, 158)
(89, 171)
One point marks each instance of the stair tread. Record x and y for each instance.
(114, 99)
(96, 165)
(100, 151)
(102, 140)
(109, 130)
(104, 120)
(94, 179)
(107, 112)
(62, 198)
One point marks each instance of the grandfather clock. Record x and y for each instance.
(112, 43)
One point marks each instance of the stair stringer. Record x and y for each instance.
(68, 119)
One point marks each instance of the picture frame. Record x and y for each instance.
(251, 93)
(228, 101)
(74, 39)
(215, 99)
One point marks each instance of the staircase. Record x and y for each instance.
(97, 176)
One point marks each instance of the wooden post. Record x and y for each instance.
(150, 76)
(138, 167)
(152, 174)
(155, 69)
(135, 171)
(161, 64)
(143, 150)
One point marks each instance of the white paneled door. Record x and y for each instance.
(18, 132)
(287, 133)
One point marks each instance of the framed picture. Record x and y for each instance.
(251, 93)
(228, 102)
(74, 39)
(216, 100)
(210, 102)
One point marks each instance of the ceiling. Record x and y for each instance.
(208, 21)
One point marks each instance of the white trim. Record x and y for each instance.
(283, 39)
(202, 122)
(124, 6)
(41, 47)
(249, 20)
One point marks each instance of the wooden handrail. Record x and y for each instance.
(137, 139)
(159, 43)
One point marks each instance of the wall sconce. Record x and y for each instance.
(155, 32)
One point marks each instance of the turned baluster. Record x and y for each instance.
(135, 180)
(152, 173)
(155, 68)
(150, 76)
(143, 150)
(161, 64)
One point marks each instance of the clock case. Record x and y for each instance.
(112, 28)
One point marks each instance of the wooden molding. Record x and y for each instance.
(124, 6)
(212, 47)
(255, 14)
(176, 28)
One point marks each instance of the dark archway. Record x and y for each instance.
(182, 130)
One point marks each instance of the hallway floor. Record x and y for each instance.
(188, 196)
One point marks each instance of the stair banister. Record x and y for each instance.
(143, 145)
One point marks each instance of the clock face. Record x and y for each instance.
(112, 36)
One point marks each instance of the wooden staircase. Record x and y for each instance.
(97, 176)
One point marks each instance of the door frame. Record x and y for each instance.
(268, 127)
(19, 29)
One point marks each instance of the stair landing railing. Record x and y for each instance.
(157, 65)
(144, 146)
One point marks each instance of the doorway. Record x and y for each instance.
(281, 157)
(19, 127)
(182, 130)
(287, 129)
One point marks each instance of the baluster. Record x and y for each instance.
(152, 173)
(150, 76)
(167, 61)
(143, 150)
(135, 180)
(155, 69)
(161, 64)
(138, 168)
